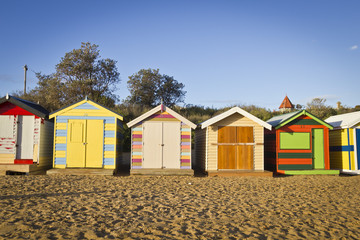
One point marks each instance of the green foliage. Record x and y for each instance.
(318, 108)
(80, 73)
(147, 87)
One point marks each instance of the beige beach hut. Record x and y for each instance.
(161, 143)
(231, 143)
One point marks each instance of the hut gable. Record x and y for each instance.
(95, 128)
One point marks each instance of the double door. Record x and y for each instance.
(236, 148)
(161, 145)
(85, 139)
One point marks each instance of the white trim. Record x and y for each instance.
(155, 110)
(232, 111)
(206, 149)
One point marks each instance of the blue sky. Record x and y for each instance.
(225, 52)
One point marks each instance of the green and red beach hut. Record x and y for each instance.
(298, 144)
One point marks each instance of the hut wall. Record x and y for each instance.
(46, 144)
(301, 159)
(270, 150)
(236, 120)
(8, 139)
(342, 151)
(137, 141)
(200, 148)
(86, 111)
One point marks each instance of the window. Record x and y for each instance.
(294, 140)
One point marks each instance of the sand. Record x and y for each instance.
(107, 207)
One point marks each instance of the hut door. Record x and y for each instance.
(161, 145)
(76, 143)
(94, 143)
(85, 143)
(318, 148)
(236, 148)
(25, 137)
(152, 145)
(171, 145)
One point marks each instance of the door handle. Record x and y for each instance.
(84, 144)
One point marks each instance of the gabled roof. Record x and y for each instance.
(231, 112)
(81, 103)
(346, 120)
(157, 109)
(34, 108)
(286, 103)
(282, 120)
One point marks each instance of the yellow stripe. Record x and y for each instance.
(61, 126)
(109, 140)
(185, 133)
(109, 154)
(185, 164)
(137, 132)
(60, 154)
(59, 166)
(137, 156)
(185, 157)
(60, 139)
(136, 163)
(110, 126)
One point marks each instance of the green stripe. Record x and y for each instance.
(295, 167)
(295, 155)
(305, 122)
(313, 172)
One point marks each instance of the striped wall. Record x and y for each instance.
(342, 149)
(88, 112)
(137, 141)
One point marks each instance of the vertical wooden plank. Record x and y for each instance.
(244, 134)
(94, 143)
(226, 157)
(227, 135)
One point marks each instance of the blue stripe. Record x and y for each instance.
(61, 133)
(108, 161)
(60, 161)
(60, 147)
(64, 119)
(109, 147)
(109, 133)
(348, 137)
(185, 154)
(342, 148)
(86, 106)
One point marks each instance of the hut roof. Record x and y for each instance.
(346, 120)
(156, 109)
(286, 103)
(83, 103)
(282, 120)
(34, 108)
(231, 112)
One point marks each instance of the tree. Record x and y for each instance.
(80, 73)
(318, 108)
(147, 87)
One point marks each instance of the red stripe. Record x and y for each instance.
(23, 161)
(185, 136)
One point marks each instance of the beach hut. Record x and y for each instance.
(161, 143)
(298, 144)
(26, 136)
(345, 142)
(231, 143)
(87, 136)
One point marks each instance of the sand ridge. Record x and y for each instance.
(173, 207)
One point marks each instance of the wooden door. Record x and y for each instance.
(318, 148)
(245, 153)
(76, 143)
(25, 137)
(236, 148)
(171, 145)
(94, 143)
(152, 142)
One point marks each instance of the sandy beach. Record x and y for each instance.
(92, 207)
